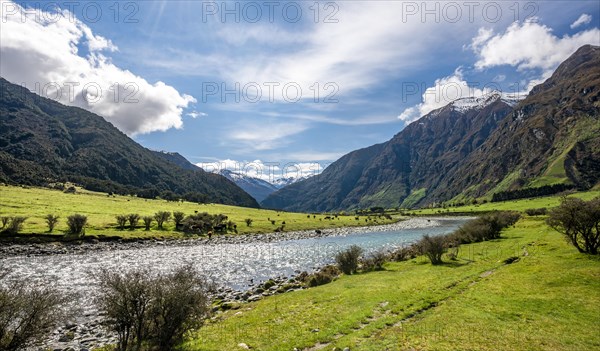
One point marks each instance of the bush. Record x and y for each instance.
(249, 221)
(4, 221)
(28, 314)
(14, 224)
(433, 247)
(374, 262)
(153, 310)
(404, 254)
(147, 221)
(579, 222)
(76, 223)
(204, 222)
(347, 260)
(486, 227)
(51, 221)
(178, 218)
(161, 217)
(536, 211)
(323, 276)
(133, 219)
(121, 221)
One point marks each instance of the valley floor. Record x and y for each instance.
(548, 299)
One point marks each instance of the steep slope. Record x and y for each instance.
(385, 174)
(472, 148)
(257, 188)
(552, 137)
(42, 141)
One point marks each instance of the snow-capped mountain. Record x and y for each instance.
(281, 182)
(256, 187)
(479, 103)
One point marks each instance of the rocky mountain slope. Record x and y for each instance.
(472, 148)
(42, 141)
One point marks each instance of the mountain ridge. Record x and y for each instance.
(454, 154)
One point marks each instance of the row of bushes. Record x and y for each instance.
(13, 225)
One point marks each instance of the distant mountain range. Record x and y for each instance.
(256, 187)
(43, 142)
(475, 148)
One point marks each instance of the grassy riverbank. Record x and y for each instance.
(101, 209)
(547, 300)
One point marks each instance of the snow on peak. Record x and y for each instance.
(480, 102)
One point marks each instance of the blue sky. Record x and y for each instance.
(373, 66)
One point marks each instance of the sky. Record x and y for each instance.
(281, 88)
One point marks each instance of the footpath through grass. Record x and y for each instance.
(101, 209)
(549, 299)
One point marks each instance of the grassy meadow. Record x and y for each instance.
(514, 205)
(101, 209)
(549, 299)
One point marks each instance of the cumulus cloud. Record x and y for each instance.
(538, 47)
(267, 171)
(581, 21)
(444, 91)
(41, 50)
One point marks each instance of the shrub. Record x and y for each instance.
(28, 313)
(4, 221)
(347, 260)
(433, 247)
(14, 224)
(153, 310)
(204, 222)
(536, 211)
(404, 254)
(249, 221)
(374, 262)
(51, 221)
(76, 223)
(147, 221)
(121, 221)
(323, 276)
(133, 219)
(178, 218)
(161, 217)
(579, 222)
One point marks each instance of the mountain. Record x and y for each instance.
(43, 141)
(472, 148)
(257, 188)
(176, 158)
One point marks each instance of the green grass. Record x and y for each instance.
(101, 210)
(414, 197)
(547, 300)
(514, 205)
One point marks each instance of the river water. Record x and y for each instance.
(231, 265)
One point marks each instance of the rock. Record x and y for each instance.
(254, 298)
(243, 346)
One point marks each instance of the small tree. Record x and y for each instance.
(579, 222)
(433, 247)
(249, 221)
(121, 221)
(161, 217)
(76, 223)
(51, 220)
(178, 218)
(15, 224)
(347, 260)
(4, 221)
(147, 221)
(133, 219)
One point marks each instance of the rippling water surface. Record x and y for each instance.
(232, 265)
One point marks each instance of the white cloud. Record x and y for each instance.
(41, 51)
(267, 171)
(444, 91)
(529, 45)
(196, 114)
(582, 20)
